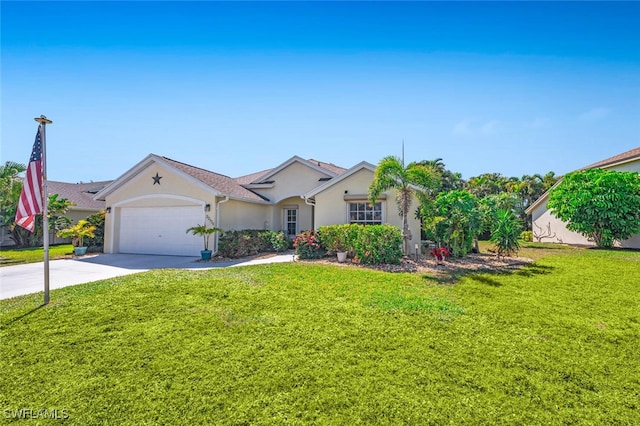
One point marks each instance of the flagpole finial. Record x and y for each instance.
(43, 120)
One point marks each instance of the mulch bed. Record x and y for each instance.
(471, 263)
(445, 271)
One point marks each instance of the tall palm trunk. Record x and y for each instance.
(406, 233)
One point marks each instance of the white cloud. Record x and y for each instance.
(540, 123)
(469, 127)
(462, 128)
(595, 114)
(489, 127)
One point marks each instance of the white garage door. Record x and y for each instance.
(160, 230)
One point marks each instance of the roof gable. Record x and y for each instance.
(341, 177)
(216, 183)
(327, 169)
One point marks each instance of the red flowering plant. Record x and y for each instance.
(307, 245)
(440, 253)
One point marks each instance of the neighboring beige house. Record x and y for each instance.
(151, 205)
(555, 230)
(80, 194)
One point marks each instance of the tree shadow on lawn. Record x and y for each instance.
(527, 271)
(483, 275)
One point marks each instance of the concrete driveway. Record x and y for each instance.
(19, 280)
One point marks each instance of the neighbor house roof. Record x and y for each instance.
(616, 160)
(625, 157)
(81, 194)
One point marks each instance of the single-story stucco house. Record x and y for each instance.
(555, 230)
(80, 194)
(152, 204)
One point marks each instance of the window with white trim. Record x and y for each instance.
(291, 221)
(365, 213)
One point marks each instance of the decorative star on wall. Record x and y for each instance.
(156, 178)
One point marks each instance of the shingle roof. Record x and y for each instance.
(331, 168)
(247, 179)
(221, 183)
(81, 194)
(630, 155)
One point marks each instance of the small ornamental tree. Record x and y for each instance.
(505, 233)
(407, 181)
(602, 205)
(78, 232)
(458, 221)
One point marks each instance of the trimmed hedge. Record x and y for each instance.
(376, 244)
(335, 238)
(248, 242)
(370, 244)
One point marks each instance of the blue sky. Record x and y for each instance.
(509, 87)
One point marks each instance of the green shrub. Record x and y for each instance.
(96, 244)
(371, 244)
(505, 233)
(308, 245)
(249, 242)
(527, 236)
(278, 240)
(338, 238)
(456, 222)
(376, 244)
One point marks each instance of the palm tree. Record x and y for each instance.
(448, 179)
(391, 173)
(10, 183)
(10, 187)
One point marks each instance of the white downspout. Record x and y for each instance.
(226, 198)
(308, 202)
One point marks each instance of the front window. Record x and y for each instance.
(291, 221)
(365, 213)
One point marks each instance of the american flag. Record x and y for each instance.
(30, 203)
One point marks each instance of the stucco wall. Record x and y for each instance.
(238, 215)
(543, 220)
(292, 181)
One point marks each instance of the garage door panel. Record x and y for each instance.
(160, 230)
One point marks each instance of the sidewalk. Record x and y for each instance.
(24, 279)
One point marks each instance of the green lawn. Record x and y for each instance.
(555, 343)
(31, 255)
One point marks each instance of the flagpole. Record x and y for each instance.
(45, 204)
